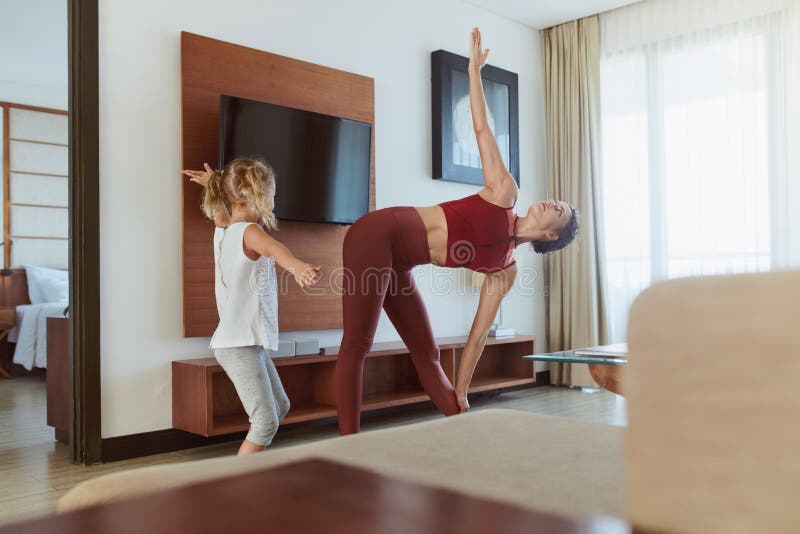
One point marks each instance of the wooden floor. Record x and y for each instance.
(35, 470)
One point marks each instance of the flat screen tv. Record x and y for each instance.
(322, 162)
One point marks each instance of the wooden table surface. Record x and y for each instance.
(311, 496)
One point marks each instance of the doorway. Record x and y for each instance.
(49, 282)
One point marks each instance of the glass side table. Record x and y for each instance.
(605, 362)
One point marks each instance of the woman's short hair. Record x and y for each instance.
(565, 236)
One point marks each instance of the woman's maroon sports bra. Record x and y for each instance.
(480, 235)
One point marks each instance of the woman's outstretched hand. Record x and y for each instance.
(200, 177)
(477, 55)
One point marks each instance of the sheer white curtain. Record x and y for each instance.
(696, 141)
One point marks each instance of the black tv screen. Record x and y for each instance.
(322, 162)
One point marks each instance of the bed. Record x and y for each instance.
(47, 296)
(30, 333)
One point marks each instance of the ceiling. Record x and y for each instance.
(33, 43)
(541, 14)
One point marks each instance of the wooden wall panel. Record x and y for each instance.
(210, 68)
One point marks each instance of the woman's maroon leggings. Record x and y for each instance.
(380, 249)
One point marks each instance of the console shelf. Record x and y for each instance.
(205, 402)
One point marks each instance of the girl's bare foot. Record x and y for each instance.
(248, 447)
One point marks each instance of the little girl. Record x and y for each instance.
(240, 200)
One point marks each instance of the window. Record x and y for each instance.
(691, 167)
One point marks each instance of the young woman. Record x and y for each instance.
(478, 232)
(240, 200)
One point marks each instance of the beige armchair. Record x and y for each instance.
(713, 388)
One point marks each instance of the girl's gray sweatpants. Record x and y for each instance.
(259, 387)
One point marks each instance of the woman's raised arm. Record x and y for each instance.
(495, 174)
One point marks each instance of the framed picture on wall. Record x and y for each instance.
(455, 150)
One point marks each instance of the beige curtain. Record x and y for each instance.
(574, 277)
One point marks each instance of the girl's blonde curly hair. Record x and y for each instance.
(248, 181)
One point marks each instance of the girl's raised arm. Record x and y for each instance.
(221, 217)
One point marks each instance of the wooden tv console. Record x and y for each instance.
(205, 402)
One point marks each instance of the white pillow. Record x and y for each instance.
(54, 289)
(47, 285)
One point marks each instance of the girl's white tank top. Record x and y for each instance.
(246, 291)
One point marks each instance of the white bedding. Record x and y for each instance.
(30, 334)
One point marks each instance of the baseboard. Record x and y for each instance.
(158, 442)
(172, 439)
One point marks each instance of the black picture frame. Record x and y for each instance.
(448, 74)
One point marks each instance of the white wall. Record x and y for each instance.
(140, 158)
(33, 52)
